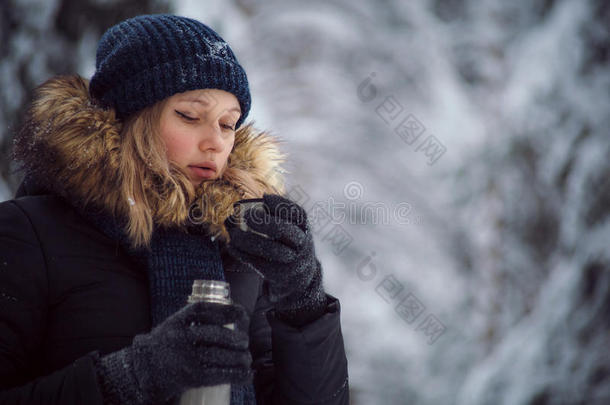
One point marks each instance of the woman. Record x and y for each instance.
(128, 194)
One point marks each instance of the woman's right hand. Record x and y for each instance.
(189, 349)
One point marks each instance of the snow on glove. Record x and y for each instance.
(286, 257)
(189, 349)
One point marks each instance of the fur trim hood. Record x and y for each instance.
(72, 147)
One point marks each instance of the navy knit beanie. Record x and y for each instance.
(147, 58)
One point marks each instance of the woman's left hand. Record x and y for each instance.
(286, 257)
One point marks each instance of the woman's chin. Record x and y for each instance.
(197, 183)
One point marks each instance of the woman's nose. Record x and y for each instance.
(211, 138)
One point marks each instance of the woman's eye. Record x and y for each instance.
(186, 117)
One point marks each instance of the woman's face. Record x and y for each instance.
(197, 127)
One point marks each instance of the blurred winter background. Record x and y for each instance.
(453, 155)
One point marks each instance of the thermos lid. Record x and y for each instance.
(239, 209)
(210, 291)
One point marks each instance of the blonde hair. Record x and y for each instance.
(148, 176)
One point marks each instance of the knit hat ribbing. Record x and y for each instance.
(148, 58)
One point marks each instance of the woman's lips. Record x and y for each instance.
(202, 172)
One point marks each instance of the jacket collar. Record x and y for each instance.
(65, 130)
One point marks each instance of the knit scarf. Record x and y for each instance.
(176, 257)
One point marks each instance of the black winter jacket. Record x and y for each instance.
(67, 290)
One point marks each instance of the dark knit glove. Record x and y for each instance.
(189, 349)
(285, 258)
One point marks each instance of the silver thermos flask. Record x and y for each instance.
(210, 291)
